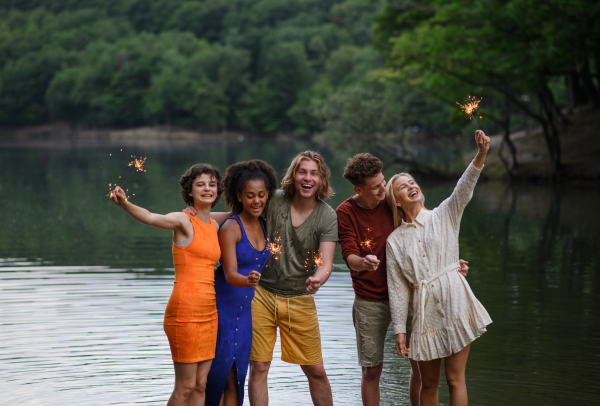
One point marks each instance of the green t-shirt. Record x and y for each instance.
(286, 275)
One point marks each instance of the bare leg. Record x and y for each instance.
(455, 376)
(258, 391)
(414, 387)
(430, 381)
(185, 382)
(369, 385)
(230, 396)
(197, 396)
(320, 391)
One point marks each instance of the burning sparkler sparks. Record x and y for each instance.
(471, 104)
(138, 166)
(318, 258)
(368, 243)
(275, 247)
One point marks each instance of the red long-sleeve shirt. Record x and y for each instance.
(355, 226)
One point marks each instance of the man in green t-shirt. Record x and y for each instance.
(304, 229)
(303, 233)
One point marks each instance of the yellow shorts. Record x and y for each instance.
(298, 328)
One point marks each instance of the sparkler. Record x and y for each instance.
(471, 104)
(275, 247)
(318, 258)
(368, 242)
(138, 166)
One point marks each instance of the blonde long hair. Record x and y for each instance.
(397, 211)
(287, 183)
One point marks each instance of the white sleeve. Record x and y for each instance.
(454, 206)
(399, 291)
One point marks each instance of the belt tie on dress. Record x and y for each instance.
(423, 291)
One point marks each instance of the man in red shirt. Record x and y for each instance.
(364, 223)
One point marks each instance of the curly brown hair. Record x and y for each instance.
(361, 167)
(187, 180)
(239, 174)
(287, 184)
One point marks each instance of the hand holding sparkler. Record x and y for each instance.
(313, 283)
(119, 197)
(483, 143)
(371, 263)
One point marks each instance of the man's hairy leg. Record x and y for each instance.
(320, 390)
(258, 391)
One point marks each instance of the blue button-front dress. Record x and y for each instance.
(234, 336)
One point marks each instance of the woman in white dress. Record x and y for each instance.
(422, 264)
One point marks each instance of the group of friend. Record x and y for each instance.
(275, 250)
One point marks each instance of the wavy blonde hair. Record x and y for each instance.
(287, 184)
(397, 211)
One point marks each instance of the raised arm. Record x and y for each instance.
(229, 236)
(173, 221)
(463, 192)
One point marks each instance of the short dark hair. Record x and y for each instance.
(239, 174)
(187, 181)
(361, 167)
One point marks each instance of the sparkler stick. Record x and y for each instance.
(138, 165)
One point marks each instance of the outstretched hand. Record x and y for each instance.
(253, 278)
(119, 197)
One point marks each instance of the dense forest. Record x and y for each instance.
(364, 73)
(217, 64)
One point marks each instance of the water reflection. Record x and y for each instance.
(83, 287)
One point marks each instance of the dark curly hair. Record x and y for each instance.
(238, 174)
(361, 167)
(187, 180)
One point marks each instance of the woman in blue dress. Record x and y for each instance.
(244, 254)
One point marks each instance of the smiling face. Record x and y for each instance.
(373, 190)
(204, 189)
(406, 191)
(307, 180)
(254, 197)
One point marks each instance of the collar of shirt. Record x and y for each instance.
(419, 220)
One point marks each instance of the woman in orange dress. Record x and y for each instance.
(191, 315)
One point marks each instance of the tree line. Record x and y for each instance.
(532, 60)
(366, 74)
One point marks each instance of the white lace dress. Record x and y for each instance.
(423, 256)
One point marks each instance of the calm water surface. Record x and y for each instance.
(83, 287)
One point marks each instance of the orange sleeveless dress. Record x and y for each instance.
(191, 316)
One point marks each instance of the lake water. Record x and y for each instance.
(83, 287)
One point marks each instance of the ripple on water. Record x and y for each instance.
(93, 335)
